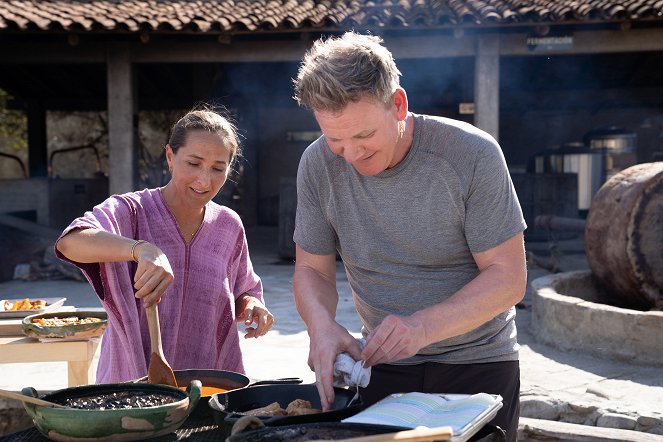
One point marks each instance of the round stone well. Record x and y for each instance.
(567, 314)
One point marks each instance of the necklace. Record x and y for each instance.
(198, 223)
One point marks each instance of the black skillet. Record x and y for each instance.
(228, 380)
(227, 407)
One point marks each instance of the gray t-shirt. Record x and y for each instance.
(406, 235)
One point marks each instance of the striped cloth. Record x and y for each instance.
(429, 410)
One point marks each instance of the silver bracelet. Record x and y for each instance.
(133, 248)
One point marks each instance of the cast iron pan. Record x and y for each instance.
(228, 407)
(228, 380)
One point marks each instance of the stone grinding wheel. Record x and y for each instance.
(624, 236)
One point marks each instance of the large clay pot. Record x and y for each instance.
(113, 425)
(624, 236)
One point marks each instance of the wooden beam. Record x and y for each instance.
(435, 46)
(590, 42)
(208, 52)
(275, 49)
(487, 86)
(122, 145)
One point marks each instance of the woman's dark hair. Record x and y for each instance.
(207, 120)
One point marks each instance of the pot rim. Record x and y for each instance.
(192, 393)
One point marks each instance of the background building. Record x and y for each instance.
(565, 86)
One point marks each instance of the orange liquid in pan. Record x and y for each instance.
(209, 391)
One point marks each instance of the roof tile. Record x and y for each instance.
(255, 15)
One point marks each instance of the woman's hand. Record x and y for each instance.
(153, 274)
(250, 310)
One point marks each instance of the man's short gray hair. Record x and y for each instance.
(339, 70)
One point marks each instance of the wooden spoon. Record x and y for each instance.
(30, 399)
(159, 371)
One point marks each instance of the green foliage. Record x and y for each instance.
(13, 127)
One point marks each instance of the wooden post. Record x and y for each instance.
(122, 145)
(84, 371)
(487, 85)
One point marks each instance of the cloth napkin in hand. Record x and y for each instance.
(349, 372)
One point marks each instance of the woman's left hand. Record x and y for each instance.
(250, 310)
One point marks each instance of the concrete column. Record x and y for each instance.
(487, 85)
(122, 136)
(37, 149)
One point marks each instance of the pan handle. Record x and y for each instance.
(287, 381)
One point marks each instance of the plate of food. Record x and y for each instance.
(22, 307)
(66, 326)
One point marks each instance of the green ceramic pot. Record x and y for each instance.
(66, 332)
(128, 424)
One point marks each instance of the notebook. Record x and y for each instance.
(463, 413)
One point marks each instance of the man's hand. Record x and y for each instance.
(326, 344)
(250, 310)
(395, 338)
(153, 274)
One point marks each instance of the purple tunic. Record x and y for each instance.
(196, 312)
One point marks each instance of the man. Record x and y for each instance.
(423, 213)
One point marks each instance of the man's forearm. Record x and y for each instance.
(316, 298)
(473, 305)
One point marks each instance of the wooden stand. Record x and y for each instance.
(79, 355)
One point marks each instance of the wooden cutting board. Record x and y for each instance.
(415, 435)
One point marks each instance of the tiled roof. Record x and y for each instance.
(256, 15)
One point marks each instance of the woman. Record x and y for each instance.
(175, 247)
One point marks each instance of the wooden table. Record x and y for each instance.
(78, 355)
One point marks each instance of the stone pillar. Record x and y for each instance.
(487, 85)
(122, 124)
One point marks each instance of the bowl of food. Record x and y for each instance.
(71, 326)
(112, 412)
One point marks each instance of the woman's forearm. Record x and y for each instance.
(92, 245)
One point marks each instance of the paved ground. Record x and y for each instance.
(546, 372)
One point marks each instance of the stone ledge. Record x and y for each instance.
(551, 431)
(589, 414)
(567, 315)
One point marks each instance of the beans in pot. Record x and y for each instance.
(118, 400)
